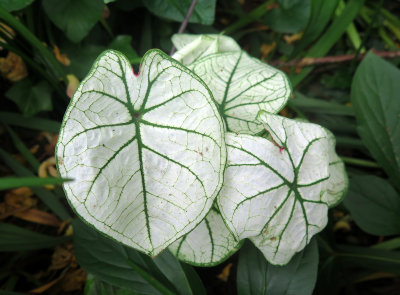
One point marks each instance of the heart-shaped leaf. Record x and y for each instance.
(273, 189)
(147, 153)
(74, 17)
(193, 47)
(255, 276)
(210, 243)
(375, 96)
(242, 86)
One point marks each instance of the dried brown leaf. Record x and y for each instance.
(61, 57)
(62, 257)
(38, 216)
(292, 38)
(47, 168)
(266, 49)
(13, 67)
(20, 197)
(224, 275)
(73, 280)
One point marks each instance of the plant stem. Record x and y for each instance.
(349, 142)
(360, 162)
(185, 22)
(253, 15)
(309, 61)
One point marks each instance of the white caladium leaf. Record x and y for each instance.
(147, 152)
(338, 181)
(242, 86)
(210, 243)
(193, 47)
(273, 189)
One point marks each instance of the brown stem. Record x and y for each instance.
(309, 61)
(185, 22)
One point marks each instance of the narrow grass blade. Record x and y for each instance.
(334, 32)
(29, 122)
(35, 42)
(13, 182)
(19, 144)
(314, 105)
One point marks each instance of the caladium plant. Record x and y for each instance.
(190, 155)
(147, 152)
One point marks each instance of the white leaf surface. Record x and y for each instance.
(338, 181)
(273, 189)
(210, 243)
(242, 86)
(146, 152)
(193, 47)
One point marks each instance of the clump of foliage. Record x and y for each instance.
(171, 157)
(215, 155)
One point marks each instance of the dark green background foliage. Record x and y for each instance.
(352, 90)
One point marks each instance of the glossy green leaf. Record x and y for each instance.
(112, 262)
(109, 261)
(194, 280)
(74, 17)
(374, 205)
(193, 47)
(374, 94)
(147, 152)
(242, 86)
(15, 238)
(94, 286)
(275, 191)
(174, 272)
(210, 243)
(30, 98)
(122, 43)
(176, 10)
(256, 276)
(12, 5)
(82, 57)
(290, 17)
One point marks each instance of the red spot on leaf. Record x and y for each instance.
(136, 75)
